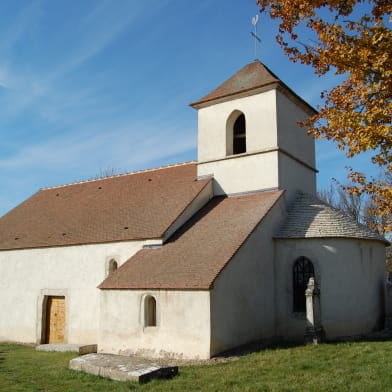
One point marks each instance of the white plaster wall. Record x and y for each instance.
(242, 300)
(351, 274)
(183, 323)
(291, 137)
(260, 117)
(243, 173)
(26, 276)
(294, 176)
(271, 123)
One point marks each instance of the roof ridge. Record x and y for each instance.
(119, 175)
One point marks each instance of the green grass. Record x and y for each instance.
(364, 366)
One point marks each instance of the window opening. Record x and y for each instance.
(112, 266)
(239, 135)
(150, 311)
(302, 271)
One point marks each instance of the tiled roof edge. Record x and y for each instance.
(244, 90)
(157, 288)
(8, 212)
(345, 237)
(119, 175)
(79, 243)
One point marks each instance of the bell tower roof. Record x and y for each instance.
(250, 77)
(253, 76)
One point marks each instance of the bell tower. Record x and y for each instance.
(248, 136)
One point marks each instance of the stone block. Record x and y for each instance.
(122, 368)
(81, 349)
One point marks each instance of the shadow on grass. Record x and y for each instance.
(279, 344)
(257, 346)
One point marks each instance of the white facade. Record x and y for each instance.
(28, 276)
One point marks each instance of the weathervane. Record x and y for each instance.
(255, 36)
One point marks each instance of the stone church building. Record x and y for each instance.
(193, 259)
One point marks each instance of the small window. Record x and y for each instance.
(235, 133)
(302, 271)
(150, 311)
(112, 266)
(239, 135)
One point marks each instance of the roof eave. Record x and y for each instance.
(277, 85)
(342, 237)
(173, 288)
(204, 102)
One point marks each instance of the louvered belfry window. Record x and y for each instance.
(302, 271)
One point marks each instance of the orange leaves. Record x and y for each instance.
(357, 114)
(380, 192)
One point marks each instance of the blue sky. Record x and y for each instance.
(90, 85)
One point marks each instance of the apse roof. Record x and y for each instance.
(309, 217)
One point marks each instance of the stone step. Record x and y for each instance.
(122, 368)
(81, 349)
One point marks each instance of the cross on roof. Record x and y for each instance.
(255, 20)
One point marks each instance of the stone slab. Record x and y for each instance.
(122, 368)
(81, 349)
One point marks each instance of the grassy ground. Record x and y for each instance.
(365, 366)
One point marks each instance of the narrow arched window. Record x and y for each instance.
(239, 135)
(302, 271)
(112, 266)
(150, 311)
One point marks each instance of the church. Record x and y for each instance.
(190, 260)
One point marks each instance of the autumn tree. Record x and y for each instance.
(389, 258)
(349, 38)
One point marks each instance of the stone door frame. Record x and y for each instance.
(42, 303)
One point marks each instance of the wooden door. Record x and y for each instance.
(55, 320)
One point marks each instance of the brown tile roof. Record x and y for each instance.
(250, 77)
(198, 252)
(131, 206)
